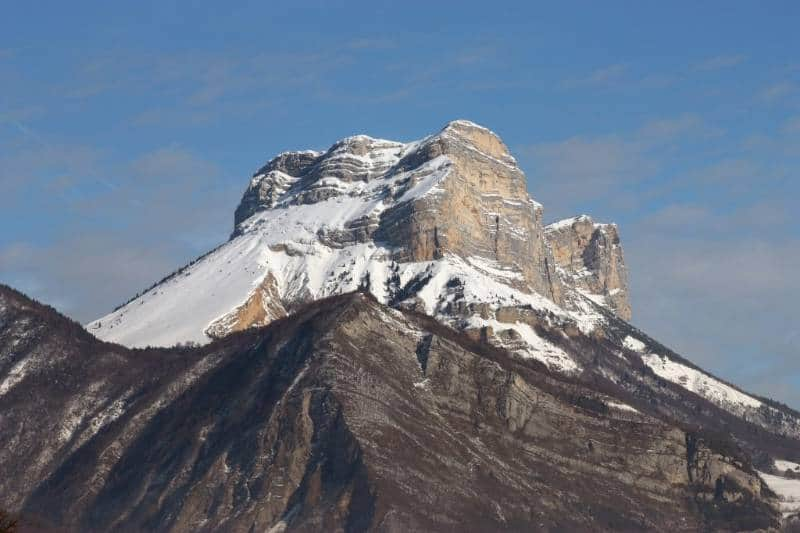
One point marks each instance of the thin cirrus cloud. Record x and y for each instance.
(721, 62)
(622, 75)
(792, 125)
(602, 76)
(569, 173)
(777, 91)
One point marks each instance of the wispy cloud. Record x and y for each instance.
(580, 169)
(792, 125)
(720, 62)
(195, 79)
(21, 114)
(371, 43)
(777, 91)
(474, 56)
(602, 76)
(667, 129)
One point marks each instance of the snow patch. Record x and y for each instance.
(632, 343)
(534, 347)
(16, 374)
(699, 383)
(493, 268)
(787, 465)
(788, 491)
(567, 223)
(622, 406)
(433, 173)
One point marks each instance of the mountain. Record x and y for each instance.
(390, 251)
(443, 226)
(347, 415)
(401, 219)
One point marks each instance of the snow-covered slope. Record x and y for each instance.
(788, 491)
(313, 236)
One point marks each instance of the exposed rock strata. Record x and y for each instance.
(590, 259)
(483, 209)
(262, 307)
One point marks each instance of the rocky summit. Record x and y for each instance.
(391, 340)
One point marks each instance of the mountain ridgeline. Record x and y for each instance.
(390, 340)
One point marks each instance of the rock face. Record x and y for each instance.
(262, 307)
(481, 211)
(347, 415)
(459, 192)
(590, 259)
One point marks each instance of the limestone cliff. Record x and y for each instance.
(589, 257)
(483, 210)
(480, 207)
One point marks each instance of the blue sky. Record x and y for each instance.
(128, 132)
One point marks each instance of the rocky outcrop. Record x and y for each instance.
(309, 177)
(725, 484)
(262, 307)
(481, 209)
(348, 415)
(589, 257)
(272, 181)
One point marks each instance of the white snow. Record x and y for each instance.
(493, 268)
(585, 314)
(535, 347)
(632, 343)
(16, 374)
(695, 381)
(429, 176)
(599, 299)
(622, 407)
(722, 395)
(553, 356)
(469, 124)
(787, 465)
(478, 287)
(566, 223)
(715, 391)
(788, 491)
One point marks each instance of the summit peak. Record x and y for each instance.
(444, 225)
